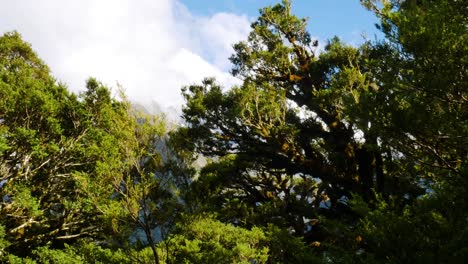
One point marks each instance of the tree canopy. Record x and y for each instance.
(350, 154)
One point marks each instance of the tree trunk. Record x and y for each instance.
(149, 237)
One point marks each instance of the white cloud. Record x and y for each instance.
(223, 30)
(151, 47)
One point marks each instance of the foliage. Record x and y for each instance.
(50, 137)
(424, 118)
(206, 240)
(283, 143)
(75, 166)
(350, 155)
(303, 136)
(81, 252)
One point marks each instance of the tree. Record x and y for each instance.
(80, 167)
(43, 133)
(148, 192)
(63, 157)
(284, 142)
(421, 113)
(306, 136)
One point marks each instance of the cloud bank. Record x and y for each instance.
(151, 47)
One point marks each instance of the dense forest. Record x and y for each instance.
(350, 154)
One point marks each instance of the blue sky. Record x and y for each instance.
(154, 47)
(347, 19)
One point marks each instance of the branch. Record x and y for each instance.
(29, 222)
(72, 236)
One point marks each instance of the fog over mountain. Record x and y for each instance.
(171, 113)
